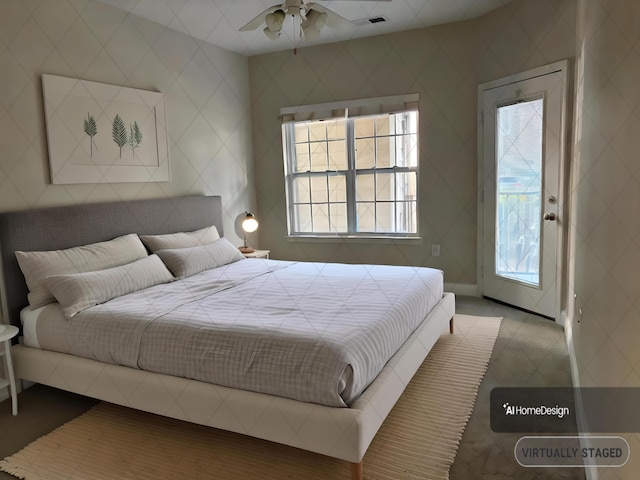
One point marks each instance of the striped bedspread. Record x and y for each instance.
(314, 332)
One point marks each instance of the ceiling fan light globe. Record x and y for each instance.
(275, 20)
(271, 34)
(321, 22)
(315, 19)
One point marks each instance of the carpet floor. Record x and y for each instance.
(418, 440)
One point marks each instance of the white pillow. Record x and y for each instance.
(185, 262)
(36, 266)
(203, 236)
(78, 291)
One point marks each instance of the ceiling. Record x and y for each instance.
(218, 21)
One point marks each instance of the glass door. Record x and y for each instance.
(522, 149)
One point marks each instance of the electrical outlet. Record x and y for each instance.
(435, 250)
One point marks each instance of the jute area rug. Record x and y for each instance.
(418, 440)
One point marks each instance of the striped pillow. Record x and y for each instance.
(37, 266)
(185, 262)
(78, 291)
(203, 236)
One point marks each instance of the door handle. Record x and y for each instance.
(550, 217)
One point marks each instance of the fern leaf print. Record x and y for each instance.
(135, 137)
(119, 133)
(91, 129)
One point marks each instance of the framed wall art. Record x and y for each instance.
(100, 133)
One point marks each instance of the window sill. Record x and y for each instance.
(389, 239)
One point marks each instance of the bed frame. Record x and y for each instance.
(343, 433)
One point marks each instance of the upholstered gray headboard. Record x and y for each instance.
(69, 226)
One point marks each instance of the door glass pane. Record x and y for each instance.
(519, 132)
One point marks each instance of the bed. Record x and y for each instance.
(341, 425)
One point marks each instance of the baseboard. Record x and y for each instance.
(463, 289)
(591, 472)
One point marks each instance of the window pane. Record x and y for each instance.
(407, 150)
(363, 127)
(301, 132)
(301, 191)
(385, 216)
(385, 187)
(302, 158)
(335, 129)
(365, 153)
(321, 218)
(317, 131)
(337, 155)
(385, 154)
(337, 188)
(318, 157)
(365, 187)
(406, 122)
(366, 217)
(406, 186)
(406, 217)
(302, 218)
(338, 212)
(382, 126)
(319, 193)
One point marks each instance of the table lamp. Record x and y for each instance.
(249, 225)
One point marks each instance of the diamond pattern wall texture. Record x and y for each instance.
(223, 125)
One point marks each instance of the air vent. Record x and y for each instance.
(368, 21)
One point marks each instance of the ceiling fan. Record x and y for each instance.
(312, 17)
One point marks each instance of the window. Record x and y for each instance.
(352, 175)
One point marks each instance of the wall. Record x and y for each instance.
(207, 98)
(444, 65)
(605, 240)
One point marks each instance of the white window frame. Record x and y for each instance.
(349, 111)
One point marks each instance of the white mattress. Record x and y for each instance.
(30, 319)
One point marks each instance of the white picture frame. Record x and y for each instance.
(101, 133)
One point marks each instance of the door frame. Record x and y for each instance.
(561, 68)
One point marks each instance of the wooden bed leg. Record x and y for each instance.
(356, 471)
(451, 325)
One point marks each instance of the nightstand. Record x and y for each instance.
(7, 332)
(258, 254)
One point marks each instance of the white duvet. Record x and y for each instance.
(315, 332)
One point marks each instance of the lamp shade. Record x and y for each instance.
(249, 224)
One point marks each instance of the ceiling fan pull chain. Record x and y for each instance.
(295, 48)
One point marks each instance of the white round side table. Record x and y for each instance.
(7, 332)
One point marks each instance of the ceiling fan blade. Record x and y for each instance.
(259, 19)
